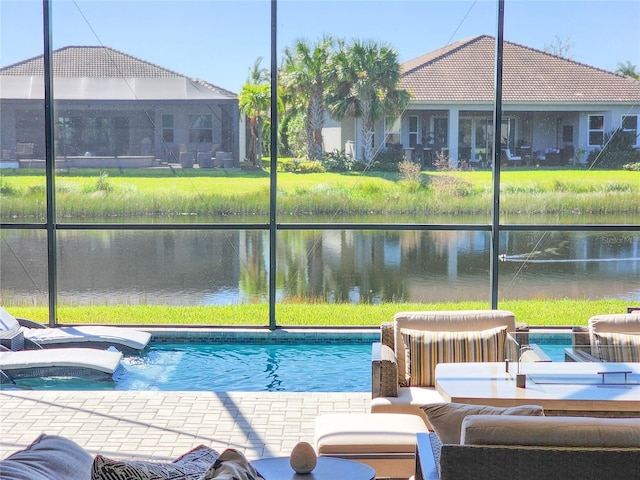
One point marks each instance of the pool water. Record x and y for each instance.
(553, 345)
(260, 367)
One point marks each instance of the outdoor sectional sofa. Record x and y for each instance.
(534, 448)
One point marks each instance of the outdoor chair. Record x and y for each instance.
(403, 375)
(38, 336)
(510, 159)
(615, 337)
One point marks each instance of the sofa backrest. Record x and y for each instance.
(446, 321)
(543, 448)
(554, 431)
(615, 324)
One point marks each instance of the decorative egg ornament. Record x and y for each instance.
(303, 458)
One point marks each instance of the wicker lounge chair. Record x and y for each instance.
(89, 363)
(392, 392)
(36, 335)
(607, 338)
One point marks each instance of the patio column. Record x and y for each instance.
(454, 122)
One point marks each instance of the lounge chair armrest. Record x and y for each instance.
(29, 323)
(384, 372)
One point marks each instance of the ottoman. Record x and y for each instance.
(384, 441)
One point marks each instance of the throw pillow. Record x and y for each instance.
(446, 418)
(190, 466)
(425, 349)
(618, 347)
(232, 465)
(49, 456)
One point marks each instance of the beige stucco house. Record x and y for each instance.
(555, 110)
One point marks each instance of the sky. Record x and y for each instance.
(219, 40)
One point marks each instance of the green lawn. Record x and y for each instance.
(563, 312)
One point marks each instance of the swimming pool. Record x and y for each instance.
(249, 367)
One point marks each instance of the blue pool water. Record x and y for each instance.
(553, 345)
(335, 367)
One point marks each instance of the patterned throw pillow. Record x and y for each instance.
(190, 466)
(618, 347)
(425, 349)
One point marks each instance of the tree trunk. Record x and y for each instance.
(259, 142)
(315, 118)
(367, 130)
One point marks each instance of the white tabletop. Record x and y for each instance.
(563, 386)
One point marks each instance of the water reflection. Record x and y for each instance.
(229, 267)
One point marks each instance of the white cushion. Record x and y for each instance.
(351, 433)
(134, 339)
(408, 401)
(551, 431)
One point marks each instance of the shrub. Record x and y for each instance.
(617, 151)
(450, 185)
(388, 159)
(338, 161)
(410, 174)
(632, 167)
(7, 188)
(296, 165)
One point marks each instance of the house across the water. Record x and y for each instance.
(112, 109)
(555, 110)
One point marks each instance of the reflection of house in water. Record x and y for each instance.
(110, 104)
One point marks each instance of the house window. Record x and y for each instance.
(630, 128)
(596, 130)
(167, 128)
(413, 131)
(392, 130)
(200, 129)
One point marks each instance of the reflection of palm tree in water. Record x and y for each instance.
(272, 365)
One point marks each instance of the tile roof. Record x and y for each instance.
(463, 72)
(97, 62)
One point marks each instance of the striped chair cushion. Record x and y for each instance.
(618, 347)
(425, 349)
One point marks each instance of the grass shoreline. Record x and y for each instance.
(549, 313)
(139, 193)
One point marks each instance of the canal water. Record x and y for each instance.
(231, 266)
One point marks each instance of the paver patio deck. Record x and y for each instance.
(163, 425)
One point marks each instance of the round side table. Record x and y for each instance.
(328, 468)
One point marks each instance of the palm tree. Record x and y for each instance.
(368, 75)
(306, 73)
(254, 101)
(628, 70)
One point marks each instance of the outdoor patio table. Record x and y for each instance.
(560, 388)
(328, 468)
